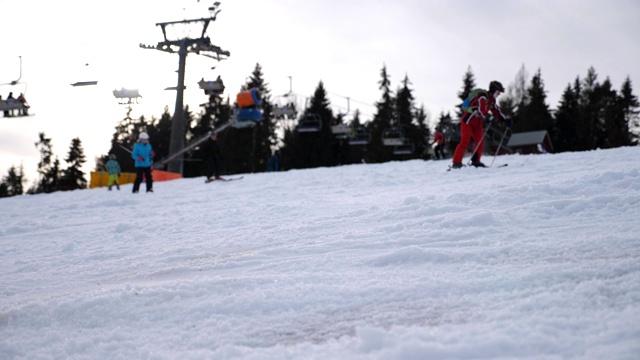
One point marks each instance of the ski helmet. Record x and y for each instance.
(143, 136)
(495, 86)
(112, 156)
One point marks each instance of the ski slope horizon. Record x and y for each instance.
(401, 260)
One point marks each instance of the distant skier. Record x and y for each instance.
(113, 168)
(143, 155)
(273, 163)
(476, 108)
(439, 140)
(212, 158)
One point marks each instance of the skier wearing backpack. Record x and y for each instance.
(476, 108)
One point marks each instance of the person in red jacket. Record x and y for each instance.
(472, 123)
(438, 139)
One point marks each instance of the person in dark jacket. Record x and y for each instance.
(212, 158)
(143, 155)
(273, 163)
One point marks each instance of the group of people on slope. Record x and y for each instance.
(471, 127)
(143, 154)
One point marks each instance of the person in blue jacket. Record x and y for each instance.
(143, 155)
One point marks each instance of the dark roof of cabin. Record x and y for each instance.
(527, 138)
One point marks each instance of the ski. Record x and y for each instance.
(452, 168)
(486, 167)
(232, 179)
(223, 179)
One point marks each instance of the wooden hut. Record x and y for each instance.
(531, 142)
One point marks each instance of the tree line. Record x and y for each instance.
(590, 115)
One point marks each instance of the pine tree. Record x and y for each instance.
(248, 149)
(422, 141)
(217, 111)
(612, 130)
(629, 106)
(404, 104)
(315, 148)
(450, 130)
(48, 168)
(159, 130)
(468, 84)
(534, 113)
(12, 184)
(405, 115)
(126, 134)
(565, 130)
(265, 138)
(356, 153)
(73, 177)
(589, 112)
(516, 98)
(383, 119)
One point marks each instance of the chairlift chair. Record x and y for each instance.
(248, 112)
(393, 137)
(245, 117)
(85, 83)
(127, 96)
(309, 123)
(15, 106)
(214, 87)
(360, 137)
(406, 148)
(8, 107)
(284, 107)
(340, 129)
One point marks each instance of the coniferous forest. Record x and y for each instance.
(591, 114)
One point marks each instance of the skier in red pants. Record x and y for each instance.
(472, 122)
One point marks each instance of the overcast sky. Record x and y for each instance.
(345, 44)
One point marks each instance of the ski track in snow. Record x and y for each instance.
(536, 260)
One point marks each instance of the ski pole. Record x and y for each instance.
(125, 149)
(499, 146)
(477, 146)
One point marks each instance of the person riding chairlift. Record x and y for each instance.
(23, 110)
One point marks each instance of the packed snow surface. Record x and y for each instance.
(404, 260)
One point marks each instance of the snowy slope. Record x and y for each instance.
(404, 260)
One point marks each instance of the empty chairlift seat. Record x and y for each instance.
(309, 123)
(393, 137)
(211, 87)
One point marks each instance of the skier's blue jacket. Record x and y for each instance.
(142, 151)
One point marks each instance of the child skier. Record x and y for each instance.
(113, 168)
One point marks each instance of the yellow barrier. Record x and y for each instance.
(101, 178)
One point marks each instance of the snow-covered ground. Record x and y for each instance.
(404, 260)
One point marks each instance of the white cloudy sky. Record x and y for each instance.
(342, 43)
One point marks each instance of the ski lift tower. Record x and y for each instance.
(178, 38)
